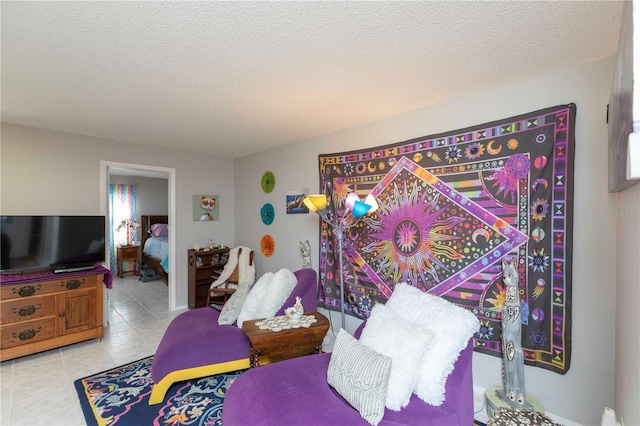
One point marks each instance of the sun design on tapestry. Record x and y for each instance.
(414, 238)
(428, 234)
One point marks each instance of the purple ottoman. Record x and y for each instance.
(295, 392)
(195, 345)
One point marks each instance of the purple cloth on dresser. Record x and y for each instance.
(194, 338)
(295, 392)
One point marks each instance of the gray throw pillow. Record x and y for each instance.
(360, 375)
(233, 306)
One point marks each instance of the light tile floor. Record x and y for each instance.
(38, 389)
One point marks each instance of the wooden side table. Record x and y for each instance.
(287, 343)
(129, 253)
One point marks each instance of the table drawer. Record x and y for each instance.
(29, 332)
(44, 287)
(129, 253)
(17, 310)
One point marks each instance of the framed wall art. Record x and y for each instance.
(294, 202)
(206, 208)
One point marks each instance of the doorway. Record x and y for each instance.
(111, 168)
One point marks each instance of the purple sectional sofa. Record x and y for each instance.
(195, 345)
(295, 392)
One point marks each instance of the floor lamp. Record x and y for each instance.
(354, 210)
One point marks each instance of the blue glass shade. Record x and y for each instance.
(360, 208)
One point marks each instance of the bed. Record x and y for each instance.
(155, 245)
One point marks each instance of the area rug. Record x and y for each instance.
(451, 207)
(120, 396)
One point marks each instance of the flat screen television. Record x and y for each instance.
(57, 243)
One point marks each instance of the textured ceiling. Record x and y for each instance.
(235, 78)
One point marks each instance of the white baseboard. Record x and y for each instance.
(480, 409)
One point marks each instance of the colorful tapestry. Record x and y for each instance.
(451, 207)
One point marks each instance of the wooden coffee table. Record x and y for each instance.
(287, 343)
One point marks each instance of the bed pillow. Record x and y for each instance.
(385, 332)
(360, 375)
(284, 281)
(452, 327)
(159, 230)
(254, 298)
(233, 306)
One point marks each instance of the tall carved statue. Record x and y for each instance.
(512, 356)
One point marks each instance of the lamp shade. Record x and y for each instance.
(371, 200)
(351, 199)
(360, 208)
(315, 202)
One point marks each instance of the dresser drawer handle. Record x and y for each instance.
(26, 310)
(72, 284)
(27, 334)
(26, 291)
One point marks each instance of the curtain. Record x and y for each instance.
(122, 201)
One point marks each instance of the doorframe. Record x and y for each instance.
(105, 166)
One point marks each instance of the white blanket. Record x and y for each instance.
(246, 272)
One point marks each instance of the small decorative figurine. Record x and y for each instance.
(199, 261)
(305, 250)
(196, 246)
(294, 313)
(211, 245)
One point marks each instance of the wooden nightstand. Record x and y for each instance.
(130, 253)
(285, 344)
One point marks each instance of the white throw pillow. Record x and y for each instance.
(360, 375)
(452, 327)
(386, 333)
(284, 281)
(254, 298)
(233, 306)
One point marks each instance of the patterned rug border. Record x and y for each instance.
(120, 396)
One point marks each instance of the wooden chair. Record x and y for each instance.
(218, 296)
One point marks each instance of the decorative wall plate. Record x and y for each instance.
(267, 245)
(268, 182)
(267, 213)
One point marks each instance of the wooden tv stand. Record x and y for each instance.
(44, 311)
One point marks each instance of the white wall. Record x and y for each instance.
(627, 278)
(46, 172)
(153, 195)
(582, 393)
